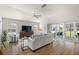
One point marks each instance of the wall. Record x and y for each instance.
(0, 27)
(48, 28)
(43, 25)
(6, 22)
(13, 15)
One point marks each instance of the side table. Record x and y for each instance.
(23, 47)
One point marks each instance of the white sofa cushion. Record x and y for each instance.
(39, 41)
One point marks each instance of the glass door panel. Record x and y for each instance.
(53, 30)
(77, 31)
(60, 30)
(69, 31)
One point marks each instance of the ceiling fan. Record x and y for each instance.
(44, 5)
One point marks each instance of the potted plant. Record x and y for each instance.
(3, 37)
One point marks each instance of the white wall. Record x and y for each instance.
(13, 15)
(0, 27)
(43, 25)
(58, 14)
(6, 22)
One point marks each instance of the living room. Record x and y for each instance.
(14, 28)
(39, 29)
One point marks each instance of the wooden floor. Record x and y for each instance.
(58, 47)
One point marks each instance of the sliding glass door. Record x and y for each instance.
(77, 31)
(53, 30)
(69, 31)
(57, 30)
(60, 30)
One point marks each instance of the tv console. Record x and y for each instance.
(27, 34)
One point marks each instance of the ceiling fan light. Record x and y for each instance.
(44, 5)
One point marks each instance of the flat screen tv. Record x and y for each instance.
(27, 28)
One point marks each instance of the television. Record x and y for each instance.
(27, 28)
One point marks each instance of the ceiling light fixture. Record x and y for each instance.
(36, 13)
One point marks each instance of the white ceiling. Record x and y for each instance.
(52, 13)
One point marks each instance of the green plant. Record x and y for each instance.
(4, 36)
